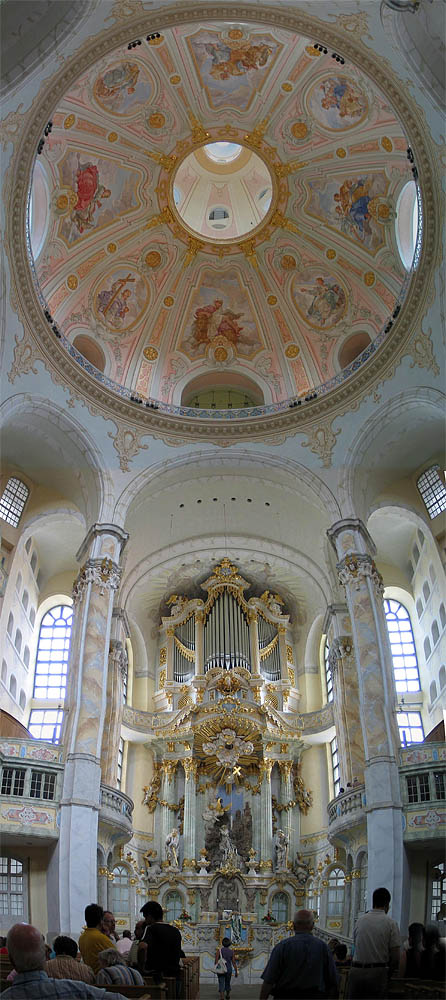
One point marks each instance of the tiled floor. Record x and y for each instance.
(239, 991)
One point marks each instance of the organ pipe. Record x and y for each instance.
(226, 634)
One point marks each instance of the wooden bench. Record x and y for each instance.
(150, 990)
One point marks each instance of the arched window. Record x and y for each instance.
(5, 671)
(12, 686)
(427, 648)
(18, 585)
(26, 656)
(18, 640)
(13, 500)
(405, 664)
(328, 673)
(442, 677)
(312, 897)
(25, 600)
(120, 890)
(12, 901)
(435, 632)
(442, 615)
(426, 590)
(416, 554)
(280, 907)
(28, 545)
(172, 906)
(433, 490)
(438, 889)
(22, 699)
(335, 899)
(10, 624)
(34, 562)
(432, 573)
(32, 616)
(53, 646)
(433, 691)
(419, 607)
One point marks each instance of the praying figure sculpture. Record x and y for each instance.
(172, 844)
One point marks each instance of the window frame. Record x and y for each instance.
(13, 501)
(432, 490)
(408, 678)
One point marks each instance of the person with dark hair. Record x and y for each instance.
(132, 957)
(109, 926)
(26, 947)
(65, 965)
(93, 940)
(125, 943)
(377, 949)
(410, 963)
(433, 958)
(224, 979)
(340, 955)
(159, 950)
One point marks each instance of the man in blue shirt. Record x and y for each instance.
(300, 966)
(26, 949)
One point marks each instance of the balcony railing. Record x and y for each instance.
(347, 808)
(30, 788)
(423, 790)
(115, 806)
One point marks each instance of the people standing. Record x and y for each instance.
(224, 979)
(93, 940)
(300, 967)
(376, 949)
(125, 943)
(159, 950)
(132, 957)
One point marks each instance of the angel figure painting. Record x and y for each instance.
(93, 192)
(220, 310)
(337, 103)
(357, 206)
(320, 300)
(120, 299)
(232, 66)
(122, 88)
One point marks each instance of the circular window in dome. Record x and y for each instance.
(407, 223)
(222, 152)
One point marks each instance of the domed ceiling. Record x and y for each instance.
(164, 265)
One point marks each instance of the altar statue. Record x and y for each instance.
(225, 843)
(172, 844)
(236, 928)
(281, 851)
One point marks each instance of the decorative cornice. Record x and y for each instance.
(355, 569)
(103, 573)
(174, 429)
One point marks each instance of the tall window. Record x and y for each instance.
(280, 907)
(405, 663)
(328, 673)
(13, 500)
(411, 728)
(46, 724)
(120, 890)
(433, 490)
(120, 759)
(335, 766)
(438, 889)
(172, 906)
(50, 678)
(11, 887)
(335, 900)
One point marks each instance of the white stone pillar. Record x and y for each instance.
(288, 827)
(346, 705)
(377, 706)
(85, 713)
(266, 818)
(254, 642)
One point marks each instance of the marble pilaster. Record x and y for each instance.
(266, 829)
(254, 642)
(346, 706)
(377, 704)
(190, 772)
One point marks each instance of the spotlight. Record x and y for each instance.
(396, 311)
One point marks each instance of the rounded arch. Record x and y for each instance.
(410, 423)
(74, 465)
(233, 381)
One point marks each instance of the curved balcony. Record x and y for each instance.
(116, 813)
(30, 790)
(423, 792)
(347, 811)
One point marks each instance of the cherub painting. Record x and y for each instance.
(321, 300)
(121, 88)
(232, 66)
(220, 309)
(337, 103)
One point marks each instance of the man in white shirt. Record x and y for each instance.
(376, 950)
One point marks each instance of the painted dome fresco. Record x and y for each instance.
(222, 209)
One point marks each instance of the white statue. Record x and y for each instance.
(225, 843)
(281, 851)
(172, 844)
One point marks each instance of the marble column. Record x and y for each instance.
(266, 818)
(117, 673)
(189, 822)
(377, 706)
(346, 707)
(84, 718)
(281, 630)
(167, 791)
(286, 795)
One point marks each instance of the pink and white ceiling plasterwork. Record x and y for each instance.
(153, 305)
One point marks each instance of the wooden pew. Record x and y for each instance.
(150, 990)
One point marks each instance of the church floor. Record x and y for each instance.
(242, 991)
